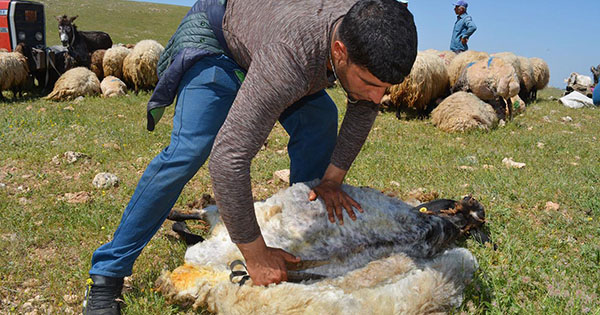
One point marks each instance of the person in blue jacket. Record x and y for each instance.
(463, 28)
(596, 95)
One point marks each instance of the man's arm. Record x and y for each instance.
(470, 28)
(275, 80)
(355, 128)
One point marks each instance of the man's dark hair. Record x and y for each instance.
(381, 36)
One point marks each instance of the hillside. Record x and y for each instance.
(125, 21)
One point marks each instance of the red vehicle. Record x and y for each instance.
(22, 21)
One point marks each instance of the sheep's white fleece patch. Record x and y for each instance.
(381, 263)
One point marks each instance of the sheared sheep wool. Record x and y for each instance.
(391, 260)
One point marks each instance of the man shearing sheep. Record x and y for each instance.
(463, 28)
(236, 68)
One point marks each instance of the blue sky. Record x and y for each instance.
(564, 33)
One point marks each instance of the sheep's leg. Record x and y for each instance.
(182, 230)
(509, 108)
(180, 215)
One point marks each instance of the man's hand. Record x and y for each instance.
(464, 40)
(266, 265)
(330, 190)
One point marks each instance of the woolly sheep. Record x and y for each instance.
(14, 72)
(464, 111)
(96, 63)
(541, 74)
(492, 80)
(373, 267)
(139, 67)
(514, 61)
(112, 63)
(112, 86)
(527, 79)
(458, 64)
(76, 82)
(427, 81)
(580, 83)
(446, 55)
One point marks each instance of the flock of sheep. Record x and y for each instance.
(492, 85)
(495, 84)
(110, 73)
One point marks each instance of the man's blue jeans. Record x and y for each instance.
(205, 95)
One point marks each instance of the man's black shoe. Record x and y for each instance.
(102, 296)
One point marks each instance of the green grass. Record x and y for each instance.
(547, 261)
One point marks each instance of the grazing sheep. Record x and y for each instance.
(580, 83)
(76, 82)
(113, 86)
(493, 80)
(464, 111)
(139, 67)
(541, 75)
(14, 73)
(112, 63)
(427, 81)
(96, 64)
(458, 64)
(391, 260)
(528, 79)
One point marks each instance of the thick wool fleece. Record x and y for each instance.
(392, 259)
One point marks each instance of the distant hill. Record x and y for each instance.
(126, 21)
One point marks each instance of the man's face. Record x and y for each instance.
(357, 81)
(459, 9)
(360, 84)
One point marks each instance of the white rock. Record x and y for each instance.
(72, 156)
(512, 164)
(105, 180)
(282, 175)
(567, 119)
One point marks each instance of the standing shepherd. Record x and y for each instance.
(463, 28)
(236, 69)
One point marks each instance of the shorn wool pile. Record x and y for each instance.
(392, 260)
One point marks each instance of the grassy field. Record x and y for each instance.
(547, 260)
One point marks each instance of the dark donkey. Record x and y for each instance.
(81, 44)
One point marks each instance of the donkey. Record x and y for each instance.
(81, 44)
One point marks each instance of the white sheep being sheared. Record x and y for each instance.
(139, 67)
(393, 259)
